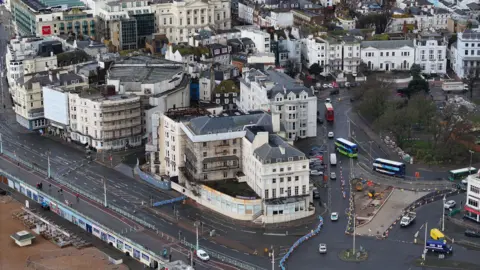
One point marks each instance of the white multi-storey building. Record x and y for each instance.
(472, 203)
(465, 54)
(161, 84)
(388, 54)
(431, 53)
(199, 153)
(276, 92)
(333, 54)
(28, 99)
(23, 57)
(259, 37)
(179, 20)
(105, 121)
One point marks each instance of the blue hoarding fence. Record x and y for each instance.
(161, 184)
(174, 200)
(300, 241)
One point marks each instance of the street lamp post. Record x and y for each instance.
(354, 232)
(443, 214)
(1, 144)
(471, 156)
(49, 171)
(272, 254)
(197, 224)
(105, 193)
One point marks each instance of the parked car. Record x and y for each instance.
(331, 135)
(334, 216)
(320, 120)
(472, 233)
(449, 204)
(316, 173)
(316, 194)
(322, 248)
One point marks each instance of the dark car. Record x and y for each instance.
(472, 233)
(319, 119)
(316, 195)
(335, 92)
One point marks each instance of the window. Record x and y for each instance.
(297, 178)
(234, 141)
(475, 189)
(274, 180)
(266, 193)
(204, 144)
(274, 193)
(473, 202)
(289, 179)
(225, 174)
(466, 52)
(234, 151)
(204, 154)
(304, 189)
(381, 53)
(281, 169)
(281, 190)
(296, 190)
(205, 176)
(281, 179)
(289, 191)
(204, 166)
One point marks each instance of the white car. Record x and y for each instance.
(449, 204)
(322, 248)
(325, 85)
(334, 216)
(328, 100)
(316, 173)
(202, 255)
(333, 176)
(330, 135)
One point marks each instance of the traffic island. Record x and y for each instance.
(350, 256)
(434, 262)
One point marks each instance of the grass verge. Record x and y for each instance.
(349, 256)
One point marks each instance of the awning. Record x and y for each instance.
(471, 210)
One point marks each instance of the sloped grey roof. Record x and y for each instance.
(387, 44)
(285, 82)
(44, 79)
(271, 152)
(211, 125)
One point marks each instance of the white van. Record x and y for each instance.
(333, 159)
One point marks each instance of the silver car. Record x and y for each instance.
(322, 248)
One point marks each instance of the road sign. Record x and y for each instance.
(417, 175)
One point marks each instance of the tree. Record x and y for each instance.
(416, 86)
(315, 69)
(415, 70)
(373, 96)
(379, 21)
(472, 75)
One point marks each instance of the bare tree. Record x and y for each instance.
(373, 96)
(472, 76)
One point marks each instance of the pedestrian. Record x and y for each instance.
(461, 203)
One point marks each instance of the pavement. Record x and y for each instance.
(390, 211)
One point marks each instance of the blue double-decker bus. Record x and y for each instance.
(392, 168)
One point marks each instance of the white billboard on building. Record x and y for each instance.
(55, 104)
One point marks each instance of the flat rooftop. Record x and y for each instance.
(232, 188)
(144, 69)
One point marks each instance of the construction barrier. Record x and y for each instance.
(174, 200)
(300, 241)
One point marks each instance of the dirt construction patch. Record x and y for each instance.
(42, 254)
(368, 199)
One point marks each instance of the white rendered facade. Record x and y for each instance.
(388, 55)
(260, 38)
(273, 91)
(115, 10)
(472, 203)
(105, 122)
(431, 55)
(179, 20)
(465, 54)
(21, 58)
